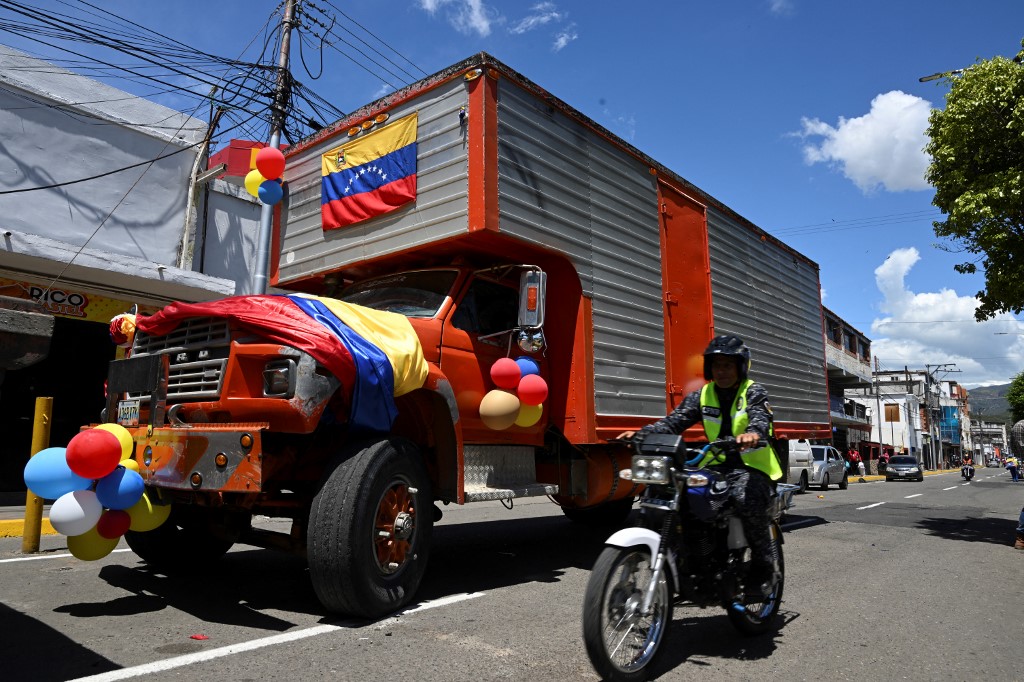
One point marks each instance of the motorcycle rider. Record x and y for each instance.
(730, 404)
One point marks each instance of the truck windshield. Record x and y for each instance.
(413, 294)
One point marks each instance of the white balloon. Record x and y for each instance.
(76, 512)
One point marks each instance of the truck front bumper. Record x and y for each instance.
(221, 457)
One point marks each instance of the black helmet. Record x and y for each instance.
(731, 346)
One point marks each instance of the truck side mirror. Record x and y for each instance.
(532, 292)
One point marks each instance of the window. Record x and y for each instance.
(487, 308)
(834, 333)
(892, 413)
(414, 294)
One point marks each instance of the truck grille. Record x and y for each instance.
(197, 352)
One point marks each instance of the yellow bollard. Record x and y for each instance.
(34, 503)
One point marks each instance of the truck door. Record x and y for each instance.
(478, 332)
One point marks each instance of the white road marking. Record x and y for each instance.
(916, 495)
(189, 659)
(48, 556)
(870, 506)
(952, 488)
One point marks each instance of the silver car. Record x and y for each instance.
(828, 467)
(904, 468)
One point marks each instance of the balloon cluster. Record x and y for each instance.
(264, 181)
(519, 397)
(97, 490)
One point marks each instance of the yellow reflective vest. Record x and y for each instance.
(763, 459)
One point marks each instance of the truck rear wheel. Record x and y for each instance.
(370, 528)
(189, 538)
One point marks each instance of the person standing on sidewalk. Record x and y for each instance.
(1011, 464)
(1019, 542)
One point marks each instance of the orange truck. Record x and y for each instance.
(523, 231)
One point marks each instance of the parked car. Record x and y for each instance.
(801, 464)
(904, 468)
(828, 466)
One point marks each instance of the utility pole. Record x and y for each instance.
(278, 110)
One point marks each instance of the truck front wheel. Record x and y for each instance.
(369, 530)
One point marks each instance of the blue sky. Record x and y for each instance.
(805, 116)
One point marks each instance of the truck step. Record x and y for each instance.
(501, 472)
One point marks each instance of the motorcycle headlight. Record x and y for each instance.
(651, 469)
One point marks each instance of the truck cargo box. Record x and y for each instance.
(662, 265)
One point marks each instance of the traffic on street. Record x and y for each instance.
(884, 580)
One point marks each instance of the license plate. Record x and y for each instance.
(128, 412)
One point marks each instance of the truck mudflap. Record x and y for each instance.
(222, 457)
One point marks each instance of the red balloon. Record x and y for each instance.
(94, 453)
(505, 373)
(532, 389)
(270, 163)
(113, 524)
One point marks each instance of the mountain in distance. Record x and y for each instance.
(989, 403)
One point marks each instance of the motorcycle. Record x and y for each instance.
(967, 471)
(689, 548)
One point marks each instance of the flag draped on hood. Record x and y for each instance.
(375, 354)
(369, 176)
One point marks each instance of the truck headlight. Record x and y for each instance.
(651, 469)
(279, 379)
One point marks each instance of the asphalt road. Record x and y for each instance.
(913, 581)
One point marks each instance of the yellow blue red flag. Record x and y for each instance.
(369, 176)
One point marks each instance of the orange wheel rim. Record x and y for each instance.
(394, 527)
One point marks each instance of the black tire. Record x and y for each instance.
(191, 538)
(617, 584)
(380, 488)
(757, 618)
(802, 483)
(608, 515)
(824, 482)
(844, 484)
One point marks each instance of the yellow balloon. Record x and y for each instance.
(90, 545)
(124, 437)
(529, 415)
(131, 464)
(146, 516)
(499, 409)
(253, 180)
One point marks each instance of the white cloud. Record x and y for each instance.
(564, 37)
(938, 327)
(467, 16)
(780, 6)
(883, 148)
(543, 13)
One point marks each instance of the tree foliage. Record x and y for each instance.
(1015, 398)
(977, 150)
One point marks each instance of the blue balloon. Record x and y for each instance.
(527, 365)
(48, 475)
(270, 192)
(120, 489)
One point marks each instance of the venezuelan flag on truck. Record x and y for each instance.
(369, 176)
(375, 354)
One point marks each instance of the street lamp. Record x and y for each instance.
(941, 74)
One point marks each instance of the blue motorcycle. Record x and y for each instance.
(689, 548)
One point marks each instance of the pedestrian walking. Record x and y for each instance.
(1011, 464)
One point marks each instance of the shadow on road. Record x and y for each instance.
(34, 651)
(988, 529)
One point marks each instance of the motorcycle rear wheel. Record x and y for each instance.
(623, 643)
(756, 618)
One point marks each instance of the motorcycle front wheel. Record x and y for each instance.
(621, 641)
(756, 617)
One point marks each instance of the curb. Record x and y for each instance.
(15, 528)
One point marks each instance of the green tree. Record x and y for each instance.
(977, 169)
(1015, 397)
